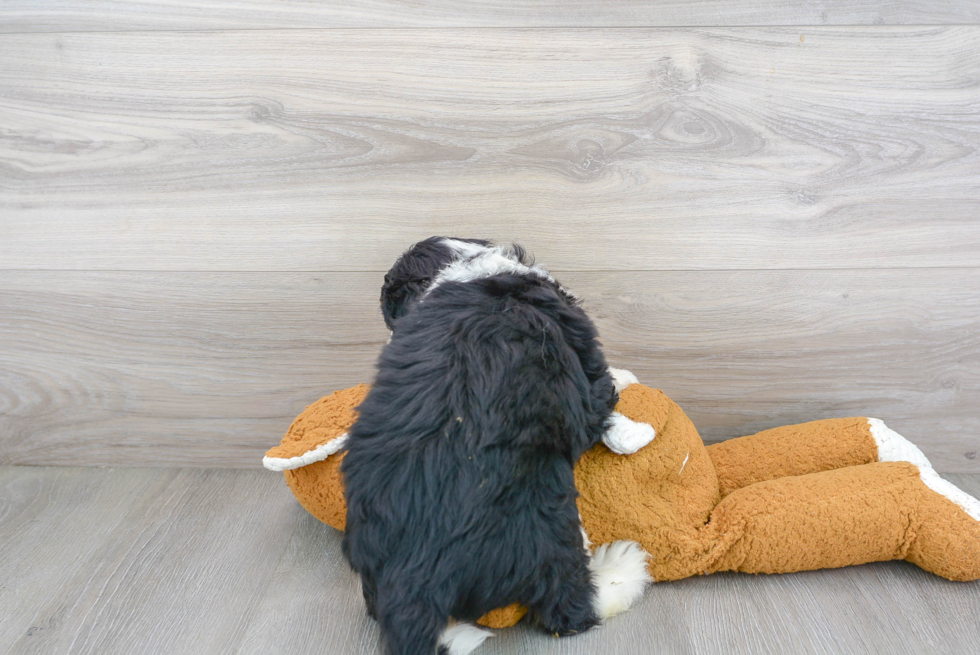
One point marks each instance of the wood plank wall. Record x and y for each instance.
(772, 212)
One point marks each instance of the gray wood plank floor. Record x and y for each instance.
(192, 561)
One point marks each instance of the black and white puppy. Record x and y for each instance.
(458, 473)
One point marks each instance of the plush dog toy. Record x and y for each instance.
(817, 495)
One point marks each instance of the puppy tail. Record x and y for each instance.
(461, 639)
(619, 573)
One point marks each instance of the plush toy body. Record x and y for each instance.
(817, 495)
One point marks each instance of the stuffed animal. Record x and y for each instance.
(824, 494)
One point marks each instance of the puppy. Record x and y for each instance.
(459, 471)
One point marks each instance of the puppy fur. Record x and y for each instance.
(459, 483)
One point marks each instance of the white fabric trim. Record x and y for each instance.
(626, 436)
(463, 638)
(619, 573)
(622, 378)
(893, 447)
(319, 453)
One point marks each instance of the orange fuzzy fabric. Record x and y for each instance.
(794, 498)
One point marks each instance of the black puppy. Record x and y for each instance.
(459, 483)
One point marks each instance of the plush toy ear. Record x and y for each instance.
(317, 433)
(311, 453)
(642, 404)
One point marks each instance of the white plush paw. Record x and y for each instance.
(622, 378)
(463, 638)
(626, 436)
(619, 573)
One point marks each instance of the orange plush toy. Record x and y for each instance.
(817, 495)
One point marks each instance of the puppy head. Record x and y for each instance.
(412, 274)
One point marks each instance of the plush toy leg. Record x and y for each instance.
(793, 450)
(875, 512)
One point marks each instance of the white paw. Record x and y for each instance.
(463, 638)
(622, 378)
(619, 572)
(626, 436)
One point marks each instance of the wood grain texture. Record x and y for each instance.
(52, 521)
(191, 369)
(634, 149)
(112, 15)
(166, 561)
(208, 369)
(181, 573)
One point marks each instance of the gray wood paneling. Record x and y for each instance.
(165, 561)
(208, 369)
(111, 15)
(177, 368)
(634, 149)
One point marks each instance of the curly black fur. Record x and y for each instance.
(459, 484)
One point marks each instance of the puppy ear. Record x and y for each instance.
(398, 297)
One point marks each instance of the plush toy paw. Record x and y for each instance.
(947, 540)
(622, 378)
(893, 447)
(619, 573)
(626, 436)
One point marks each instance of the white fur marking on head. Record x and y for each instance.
(619, 572)
(478, 262)
(893, 447)
(321, 452)
(463, 638)
(465, 249)
(967, 503)
(626, 436)
(622, 378)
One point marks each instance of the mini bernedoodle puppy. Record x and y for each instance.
(458, 473)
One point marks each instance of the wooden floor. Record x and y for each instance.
(166, 561)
